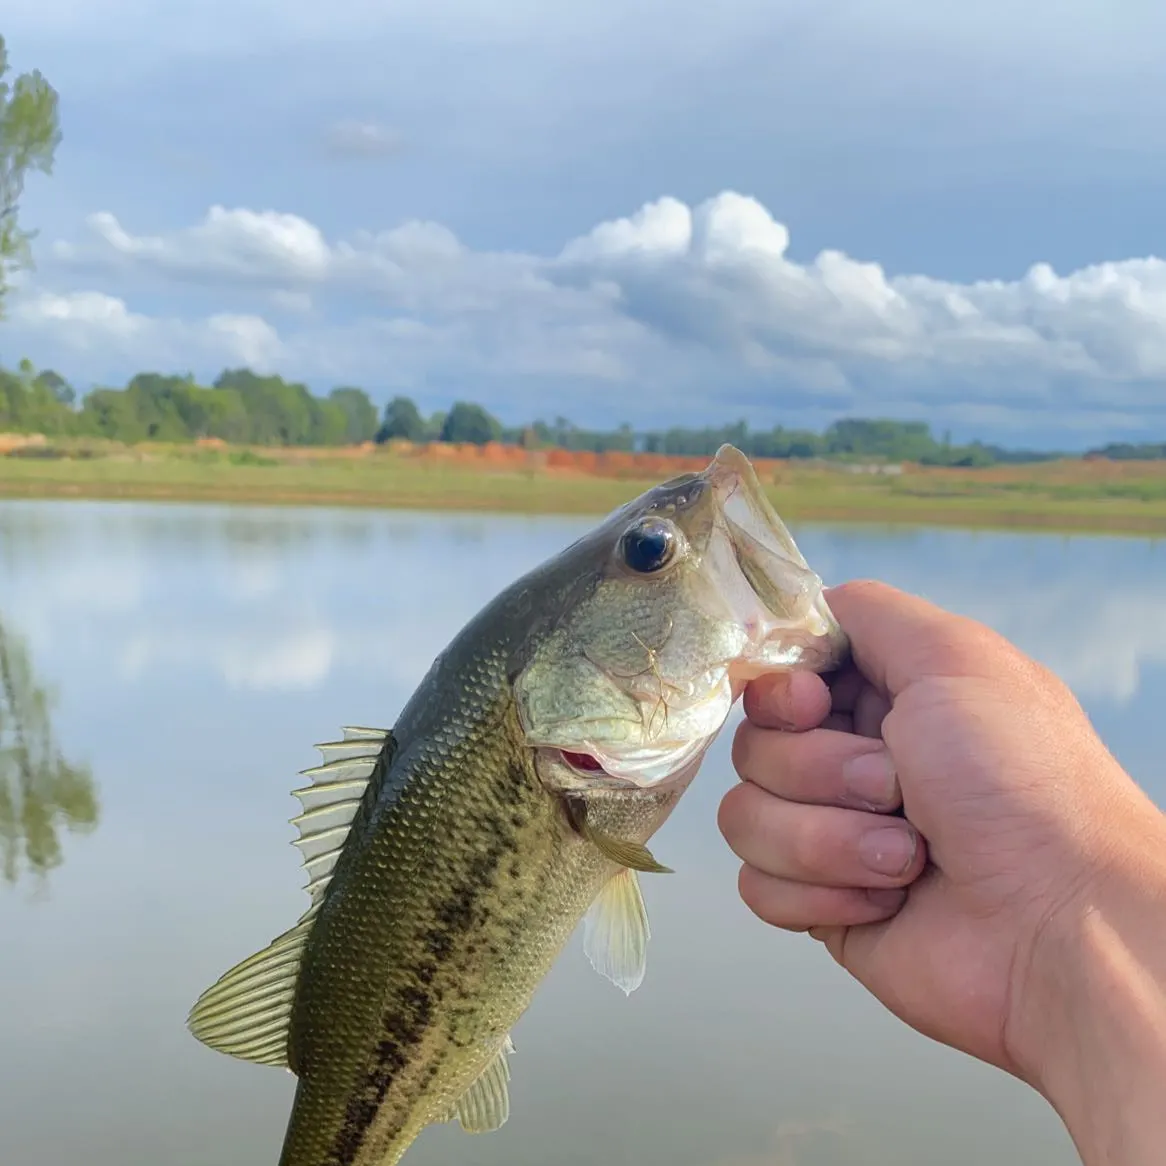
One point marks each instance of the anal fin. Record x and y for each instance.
(485, 1105)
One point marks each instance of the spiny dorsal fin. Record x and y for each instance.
(485, 1105)
(245, 1013)
(616, 932)
(331, 801)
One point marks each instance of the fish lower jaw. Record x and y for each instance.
(602, 769)
(787, 650)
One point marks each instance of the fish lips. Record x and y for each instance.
(795, 628)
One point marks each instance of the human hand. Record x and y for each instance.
(1017, 827)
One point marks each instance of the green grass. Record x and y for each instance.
(1132, 502)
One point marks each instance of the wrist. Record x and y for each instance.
(1095, 1042)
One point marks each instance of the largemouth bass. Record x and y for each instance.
(451, 858)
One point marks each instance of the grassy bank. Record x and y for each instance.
(1069, 495)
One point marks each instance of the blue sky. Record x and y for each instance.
(635, 210)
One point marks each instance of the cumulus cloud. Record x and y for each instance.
(80, 328)
(701, 306)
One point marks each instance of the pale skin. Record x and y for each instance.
(944, 819)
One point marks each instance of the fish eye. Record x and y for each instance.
(648, 546)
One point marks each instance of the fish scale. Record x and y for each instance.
(431, 992)
(450, 860)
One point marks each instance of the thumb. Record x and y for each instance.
(897, 638)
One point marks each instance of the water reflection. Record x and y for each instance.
(41, 792)
(271, 599)
(200, 650)
(1089, 607)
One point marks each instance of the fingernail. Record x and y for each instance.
(870, 777)
(887, 850)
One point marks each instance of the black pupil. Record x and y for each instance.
(646, 548)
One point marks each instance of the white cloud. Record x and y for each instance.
(254, 340)
(94, 334)
(80, 309)
(235, 244)
(675, 300)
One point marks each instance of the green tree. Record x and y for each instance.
(360, 416)
(281, 413)
(31, 403)
(328, 423)
(471, 423)
(29, 135)
(894, 440)
(111, 413)
(63, 392)
(402, 421)
(40, 792)
(211, 412)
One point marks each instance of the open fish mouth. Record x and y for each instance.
(652, 766)
(754, 581)
(775, 594)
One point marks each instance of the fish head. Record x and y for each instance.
(695, 587)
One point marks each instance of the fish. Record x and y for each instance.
(451, 857)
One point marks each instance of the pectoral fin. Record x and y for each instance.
(629, 854)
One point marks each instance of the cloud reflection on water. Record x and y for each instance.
(281, 600)
(199, 652)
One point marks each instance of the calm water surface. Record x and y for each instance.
(172, 667)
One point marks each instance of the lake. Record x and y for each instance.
(195, 654)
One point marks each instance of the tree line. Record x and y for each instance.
(244, 407)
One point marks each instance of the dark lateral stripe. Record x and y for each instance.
(462, 913)
(404, 1030)
(406, 1027)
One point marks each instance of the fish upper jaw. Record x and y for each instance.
(774, 595)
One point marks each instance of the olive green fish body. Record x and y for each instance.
(467, 882)
(451, 859)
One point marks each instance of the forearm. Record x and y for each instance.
(1103, 1060)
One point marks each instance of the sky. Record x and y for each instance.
(624, 210)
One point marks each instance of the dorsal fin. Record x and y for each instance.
(245, 1013)
(331, 801)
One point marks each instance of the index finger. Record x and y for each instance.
(787, 700)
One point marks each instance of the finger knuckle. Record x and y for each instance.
(744, 749)
(764, 700)
(768, 900)
(810, 844)
(734, 814)
(861, 590)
